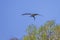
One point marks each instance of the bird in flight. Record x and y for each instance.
(31, 15)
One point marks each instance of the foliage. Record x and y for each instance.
(48, 31)
(14, 38)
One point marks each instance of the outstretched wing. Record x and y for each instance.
(32, 15)
(26, 14)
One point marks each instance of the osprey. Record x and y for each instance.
(31, 15)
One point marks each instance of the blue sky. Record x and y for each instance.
(13, 24)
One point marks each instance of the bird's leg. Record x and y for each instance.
(33, 17)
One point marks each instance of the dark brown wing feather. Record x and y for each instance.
(26, 14)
